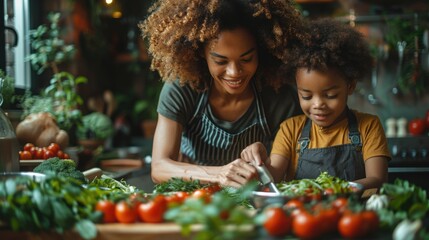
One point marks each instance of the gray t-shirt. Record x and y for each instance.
(179, 103)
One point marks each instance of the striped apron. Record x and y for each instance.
(204, 143)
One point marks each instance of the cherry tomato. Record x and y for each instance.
(54, 147)
(125, 212)
(306, 225)
(328, 192)
(107, 207)
(60, 154)
(176, 198)
(351, 225)
(340, 203)
(33, 152)
(25, 155)
(213, 188)
(48, 154)
(28, 146)
(224, 215)
(329, 218)
(182, 196)
(153, 211)
(371, 220)
(277, 222)
(66, 156)
(294, 203)
(202, 194)
(39, 154)
(173, 200)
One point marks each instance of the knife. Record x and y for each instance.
(266, 178)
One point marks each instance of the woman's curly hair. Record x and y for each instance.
(177, 30)
(332, 45)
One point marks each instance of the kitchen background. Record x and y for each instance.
(112, 56)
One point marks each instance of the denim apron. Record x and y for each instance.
(343, 161)
(205, 143)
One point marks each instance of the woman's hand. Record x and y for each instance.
(237, 173)
(255, 154)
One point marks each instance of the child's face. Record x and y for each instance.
(232, 60)
(323, 95)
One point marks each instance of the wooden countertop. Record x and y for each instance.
(114, 231)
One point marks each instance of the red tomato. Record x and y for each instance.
(48, 154)
(33, 152)
(371, 220)
(224, 215)
(153, 211)
(340, 203)
(125, 212)
(417, 126)
(306, 225)
(213, 188)
(54, 147)
(202, 194)
(39, 154)
(107, 207)
(182, 196)
(60, 154)
(329, 218)
(173, 200)
(28, 146)
(328, 191)
(66, 156)
(25, 155)
(176, 198)
(352, 225)
(277, 222)
(294, 204)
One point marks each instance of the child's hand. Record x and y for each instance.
(255, 154)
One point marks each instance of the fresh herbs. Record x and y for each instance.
(406, 201)
(56, 203)
(178, 185)
(224, 217)
(115, 190)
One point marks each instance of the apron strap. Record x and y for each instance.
(304, 139)
(354, 134)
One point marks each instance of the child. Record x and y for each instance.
(328, 136)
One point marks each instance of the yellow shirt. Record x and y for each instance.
(373, 139)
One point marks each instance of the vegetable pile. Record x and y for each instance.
(30, 151)
(63, 203)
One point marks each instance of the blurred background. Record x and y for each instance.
(100, 41)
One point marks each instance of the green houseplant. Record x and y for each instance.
(7, 90)
(60, 97)
(95, 125)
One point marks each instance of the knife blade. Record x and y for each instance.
(266, 178)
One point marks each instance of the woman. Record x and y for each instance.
(220, 60)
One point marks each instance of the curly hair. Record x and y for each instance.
(177, 30)
(332, 45)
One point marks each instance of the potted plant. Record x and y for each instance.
(60, 97)
(96, 127)
(7, 90)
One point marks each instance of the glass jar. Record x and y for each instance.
(9, 146)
